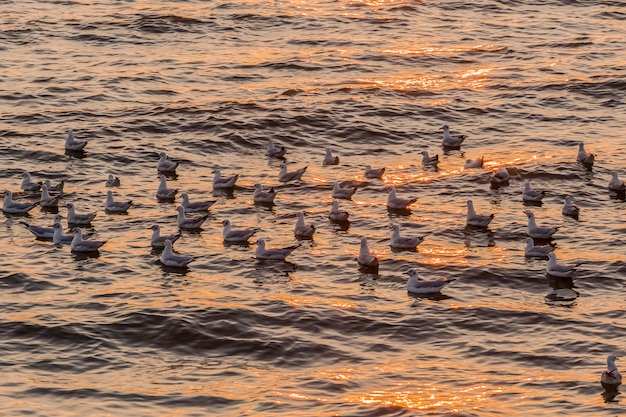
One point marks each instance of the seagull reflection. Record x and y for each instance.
(609, 395)
(437, 296)
(477, 236)
(562, 297)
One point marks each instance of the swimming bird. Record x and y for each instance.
(474, 163)
(344, 193)
(559, 270)
(611, 378)
(163, 192)
(570, 209)
(54, 189)
(170, 258)
(499, 177)
(366, 258)
(400, 242)
(418, 286)
(337, 215)
(531, 195)
(429, 160)
(477, 220)
(72, 144)
(157, 240)
(536, 251)
(329, 159)
(302, 230)
(28, 184)
(274, 151)
(76, 219)
(278, 254)
(587, 159)
(373, 172)
(449, 141)
(59, 238)
(112, 181)
(46, 200)
(236, 236)
(397, 203)
(189, 223)
(196, 206)
(13, 207)
(79, 244)
(43, 232)
(224, 182)
(166, 165)
(263, 197)
(286, 176)
(616, 184)
(538, 232)
(113, 206)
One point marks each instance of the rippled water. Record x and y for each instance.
(209, 83)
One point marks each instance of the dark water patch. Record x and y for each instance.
(168, 24)
(24, 282)
(67, 335)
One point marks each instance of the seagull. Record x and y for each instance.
(429, 160)
(164, 193)
(42, 232)
(236, 236)
(113, 206)
(499, 177)
(329, 159)
(531, 195)
(80, 245)
(76, 219)
(263, 197)
(12, 207)
(224, 182)
(538, 232)
(174, 260)
(112, 181)
(344, 193)
(189, 223)
(166, 165)
(418, 286)
(559, 270)
(474, 163)
(47, 200)
(278, 254)
(337, 215)
(570, 209)
(54, 189)
(399, 242)
(452, 142)
(616, 184)
(285, 176)
(275, 151)
(58, 238)
(536, 251)
(196, 206)
(397, 203)
(303, 231)
(477, 220)
(373, 173)
(72, 144)
(587, 159)
(611, 378)
(366, 259)
(28, 185)
(158, 240)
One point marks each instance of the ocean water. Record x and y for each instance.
(117, 334)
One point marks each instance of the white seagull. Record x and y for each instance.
(429, 160)
(536, 251)
(77, 219)
(448, 141)
(72, 144)
(373, 172)
(43, 232)
(418, 286)
(397, 203)
(113, 206)
(112, 181)
(236, 236)
(263, 197)
(286, 176)
(55, 189)
(366, 259)
(47, 200)
(166, 165)
(189, 223)
(224, 182)
(559, 270)
(569, 208)
(499, 177)
(400, 242)
(616, 184)
(531, 195)
(278, 254)
(174, 260)
(196, 206)
(477, 220)
(538, 232)
(329, 159)
(337, 215)
(163, 192)
(611, 378)
(302, 230)
(157, 240)
(13, 207)
(474, 163)
(344, 193)
(58, 237)
(28, 184)
(585, 158)
(274, 151)
(80, 245)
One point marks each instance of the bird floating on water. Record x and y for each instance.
(499, 177)
(112, 181)
(536, 251)
(616, 184)
(43, 232)
(274, 151)
(263, 197)
(78, 219)
(276, 254)
(59, 238)
(531, 195)
(477, 220)
(163, 192)
(418, 286)
(302, 230)
(570, 209)
(236, 236)
(166, 165)
(366, 258)
(373, 172)
(28, 184)
(14, 207)
(72, 144)
(344, 193)
(403, 242)
(170, 258)
(336, 214)
(157, 240)
(286, 176)
(55, 189)
(611, 379)
(427, 160)
(189, 223)
(196, 206)
(559, 270)
(113, 206)
(397, 203)
(48, 201)
(329, 159)
(474, 163)
(449, 141)
(538, 232)
(79, 244)
(587, 159)
(224, 182)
